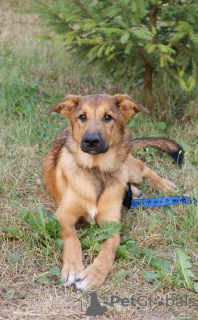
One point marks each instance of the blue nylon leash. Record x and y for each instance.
(154, 202)
(163, 201)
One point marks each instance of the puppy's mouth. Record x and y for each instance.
(94, 152)
(93, 144)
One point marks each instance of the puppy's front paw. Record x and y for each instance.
(70, 271)
(91, 277)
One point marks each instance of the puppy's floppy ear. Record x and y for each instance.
(128, 106)
(66, 106)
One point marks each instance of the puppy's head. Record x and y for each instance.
(97, 121)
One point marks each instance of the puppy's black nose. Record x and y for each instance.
(93, 143)
(91, 140)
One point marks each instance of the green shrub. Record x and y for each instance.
(136, 42)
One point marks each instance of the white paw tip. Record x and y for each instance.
(70, 280)
(81, 285)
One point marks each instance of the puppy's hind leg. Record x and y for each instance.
(139, 171)
(136, 193)
(160, 183)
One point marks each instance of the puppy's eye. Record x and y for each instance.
(107, 117)
(82, 117)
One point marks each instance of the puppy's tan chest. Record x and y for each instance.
(86, 183)
(91, 185)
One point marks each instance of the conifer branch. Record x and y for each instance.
(132, 37)
(125, 16)
(138, 34)
(55, 15)
(140, 51)
(82, 8)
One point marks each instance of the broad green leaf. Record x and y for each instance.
(107, 229)
(185, 145)
(122, 252)
(162, 125)
(11, 231)
(196, 286)
(184, 267)
(55, 272)
(95, 234)
(160, 264)
(43, 279)
(150, 276)
(45, 223)
(42, 219)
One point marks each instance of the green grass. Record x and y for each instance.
(33, 77)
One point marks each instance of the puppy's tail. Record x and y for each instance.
(169, 146)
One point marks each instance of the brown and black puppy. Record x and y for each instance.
(86, 172)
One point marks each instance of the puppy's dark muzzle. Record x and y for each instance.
(93, 143)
